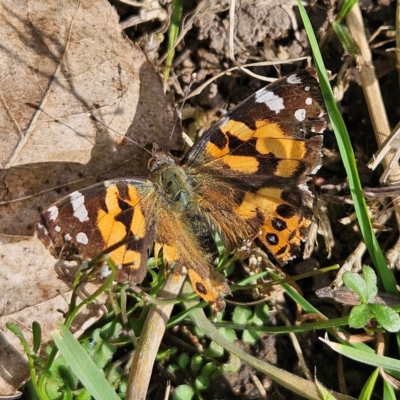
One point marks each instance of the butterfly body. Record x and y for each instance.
(245, 178)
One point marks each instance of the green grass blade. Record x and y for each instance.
(368, 389)
(364, 357)
(172, 36)
(83, 366)
(349, 162)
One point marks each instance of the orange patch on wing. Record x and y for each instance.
(266, 200)
(113, 231)
(138, 225)
(266, 129)
(215, 151)
(206, 289)
(286, 168)
(282, 148)
(170, 254)
(248, 165)
(238, 129)
(122, 256)
(289, 240)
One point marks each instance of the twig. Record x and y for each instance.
(150, 339)
(372, 92)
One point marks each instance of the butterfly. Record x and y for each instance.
(244, 178)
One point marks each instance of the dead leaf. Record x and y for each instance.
(60, 62)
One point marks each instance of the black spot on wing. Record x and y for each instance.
(200, 288)
(279, 224)
(286, 211)
(219, 139)
(272, 238)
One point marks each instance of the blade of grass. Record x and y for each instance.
(292, 382)
(349, 162)
(83, 366)
(365, 357)
(172, 36)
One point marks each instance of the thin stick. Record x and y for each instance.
(150, 339)
(372, 91)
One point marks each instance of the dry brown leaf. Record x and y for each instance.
(61, 61)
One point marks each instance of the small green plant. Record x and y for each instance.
(364, 314)
(201, 368)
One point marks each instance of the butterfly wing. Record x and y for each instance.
(87, 222)
(250, 169)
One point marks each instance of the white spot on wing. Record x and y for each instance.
(308, 101)
(307, 88)
(319, 129)
(270, 99)
(300, 114)
(53, 212)
(67, 237)
(78, 205)
(293, 79)
(57, 228)
(82, 238)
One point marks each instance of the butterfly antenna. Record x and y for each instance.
(93, 118)
(187, 91)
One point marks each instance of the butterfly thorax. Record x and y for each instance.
(172, 182)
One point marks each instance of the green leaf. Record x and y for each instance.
(261, 315)
(209, 369)
(18, 333)
(83, 366)
(344, 10)
(369, 276)
(183, 392)
(214, 351)
(196, 362)
(388, 391)
(37, 336)
(386, 317)
(325, 394)
(368, 389)
(360, 316)
(102, 351)
(357, 284)
(228, 334)
(84, 395)
(343, 34)
(241, 315)
(172, 35)
(233, 365)
(202, 382)
(365, 357)
(250, 337)
(183, 360)
(173, 368)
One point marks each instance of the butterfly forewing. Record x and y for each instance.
(87, 222)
